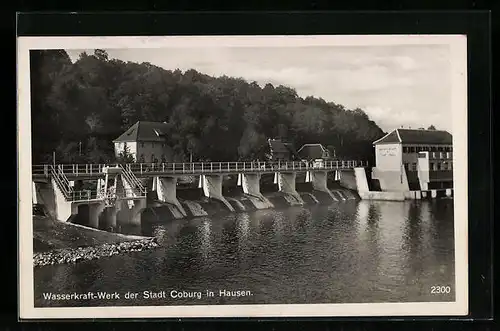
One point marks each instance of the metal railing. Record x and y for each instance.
(136, 185)
(75, 169)
(84, 195)
(61, 182)
(196, 167)
(66, 189)
(231, 167)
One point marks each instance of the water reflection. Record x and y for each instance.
(347, 252)
(205, 232)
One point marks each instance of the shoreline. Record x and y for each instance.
(56, 242)
(80, 254)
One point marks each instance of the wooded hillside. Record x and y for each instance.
(79, 108)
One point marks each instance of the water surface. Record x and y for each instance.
(348, 252)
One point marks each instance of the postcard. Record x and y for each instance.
(242, 176)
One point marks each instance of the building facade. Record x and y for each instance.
(145, 142)
(281, 151)
(408, 160)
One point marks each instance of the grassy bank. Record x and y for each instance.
(56, 242)
(49, 234)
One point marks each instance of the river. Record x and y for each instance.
(348, 252)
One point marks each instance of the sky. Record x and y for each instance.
(397, 85)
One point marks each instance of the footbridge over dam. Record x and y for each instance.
(120, 194)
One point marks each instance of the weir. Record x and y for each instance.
(286, 185)
(251, 186)
(195, 208)
(121, 203)
(120, 196)
(212, 188)
(129, 212)
(319, 182)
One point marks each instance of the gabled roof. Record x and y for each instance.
(412, 136)
(312, 151)
(278, 146)
(144, 131)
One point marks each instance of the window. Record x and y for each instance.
(142, 159)
(142, 145)
(412, 149)
(433, 149)
(406, 165)
(445, 166)
(414, 167)
(152, 158)
(405, 150)
(438, 165)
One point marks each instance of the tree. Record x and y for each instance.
(89, 103)
(125, 156)
(432, 127)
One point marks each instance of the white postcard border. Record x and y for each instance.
(458, 51)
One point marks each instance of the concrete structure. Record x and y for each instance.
(361, 180)
(212, 188)
(166, 188)
(251, 186)
(286, 185)
(414, 160)
(145, 142)
(121, 198)
(319, 182)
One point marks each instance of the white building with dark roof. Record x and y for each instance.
(146, 142)
(409, 160)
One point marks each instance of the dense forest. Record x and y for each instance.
(79, 108)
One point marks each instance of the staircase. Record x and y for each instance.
(135, 184)
(62, 182)
(67, 190)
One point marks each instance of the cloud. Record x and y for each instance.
(396, 85)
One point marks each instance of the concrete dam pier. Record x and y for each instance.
(122, 192)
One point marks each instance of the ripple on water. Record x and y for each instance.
(350, 251)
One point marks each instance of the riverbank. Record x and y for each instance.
(56, 242)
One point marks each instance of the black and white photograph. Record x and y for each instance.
(255, 176)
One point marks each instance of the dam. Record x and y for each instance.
(107, 196)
